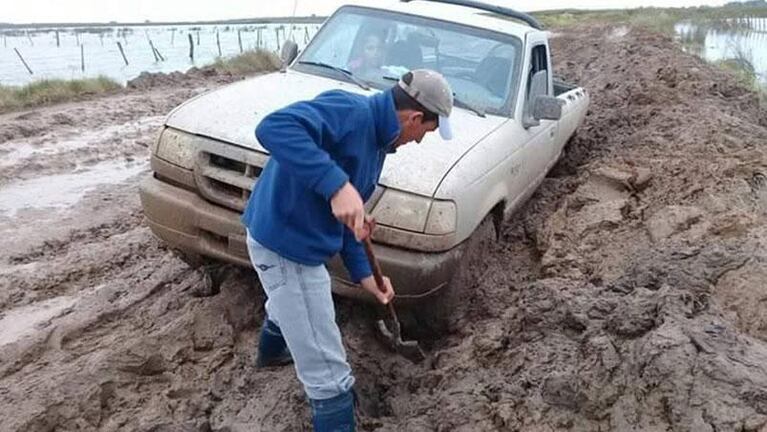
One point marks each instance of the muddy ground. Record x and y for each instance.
(629, 294)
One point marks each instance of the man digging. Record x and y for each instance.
(326, 159)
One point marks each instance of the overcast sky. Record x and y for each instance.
(37, 11)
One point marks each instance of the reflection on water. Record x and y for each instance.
(742, 41)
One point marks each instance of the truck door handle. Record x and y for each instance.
(551, 133)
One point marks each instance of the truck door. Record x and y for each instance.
(541, 134)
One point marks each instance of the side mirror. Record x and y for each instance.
(540, 106)
(547, 108)
(288, 53)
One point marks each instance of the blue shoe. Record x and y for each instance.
(335, 414)
(272, 349)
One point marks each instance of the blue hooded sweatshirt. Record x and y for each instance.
(317, 146)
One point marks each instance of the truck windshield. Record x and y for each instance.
(379, 46)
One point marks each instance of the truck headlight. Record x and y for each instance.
(415, 213)
(442, 218)
(402, 210)
(177, 148)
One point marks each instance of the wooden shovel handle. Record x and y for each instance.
(377, 274)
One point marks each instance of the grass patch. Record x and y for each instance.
(248, 62)
(742, 69)
(52, 91)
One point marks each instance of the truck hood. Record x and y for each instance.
(231, 114)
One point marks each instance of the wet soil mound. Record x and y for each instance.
(613, 301)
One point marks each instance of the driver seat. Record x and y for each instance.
(405, 53)
(493, 74)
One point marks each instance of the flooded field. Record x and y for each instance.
(84, 52)
(743, 42)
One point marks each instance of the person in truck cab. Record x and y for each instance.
(370, 58)
(326, 159)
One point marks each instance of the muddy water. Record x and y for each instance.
(742, 41)
(624, 296)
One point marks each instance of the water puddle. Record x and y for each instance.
(26, 320)
(64, 190)
(17, 268)
(22, 150)
(618, 33)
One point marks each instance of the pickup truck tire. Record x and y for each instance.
(446, 310)
(212, 272)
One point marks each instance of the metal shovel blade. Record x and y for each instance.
(408, 349)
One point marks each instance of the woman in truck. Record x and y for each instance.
(369, 57)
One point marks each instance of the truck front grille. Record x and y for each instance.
(228, 179)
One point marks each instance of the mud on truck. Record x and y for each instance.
(438, 204)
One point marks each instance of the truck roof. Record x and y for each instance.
(458, 14)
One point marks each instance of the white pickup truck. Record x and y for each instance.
(435, 201)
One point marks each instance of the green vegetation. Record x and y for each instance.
(248, 62)
(658, 19)
(742, 69)
(52, 91)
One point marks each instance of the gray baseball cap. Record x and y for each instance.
(432, 91)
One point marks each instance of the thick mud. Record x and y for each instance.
(628, 294)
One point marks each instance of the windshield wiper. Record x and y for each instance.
(476, 110)
(343, 71)
(457, 102)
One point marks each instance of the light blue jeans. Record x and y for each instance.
(299, 301)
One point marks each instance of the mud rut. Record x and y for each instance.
(627, 295)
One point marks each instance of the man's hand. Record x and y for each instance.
(369, 285)
(348, 207)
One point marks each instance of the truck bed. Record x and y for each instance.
(576, 102)
(561, 87)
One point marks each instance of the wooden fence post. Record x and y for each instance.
(277, 36)
(172, 36)
(239, 39)
(119, 45)
(58, 42)
(154, 52)
(82, 58)
(22, 60)
(191, 47)
(218, 43)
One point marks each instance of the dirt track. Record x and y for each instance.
(628, 294)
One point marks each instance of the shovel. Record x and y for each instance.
(408, 349)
